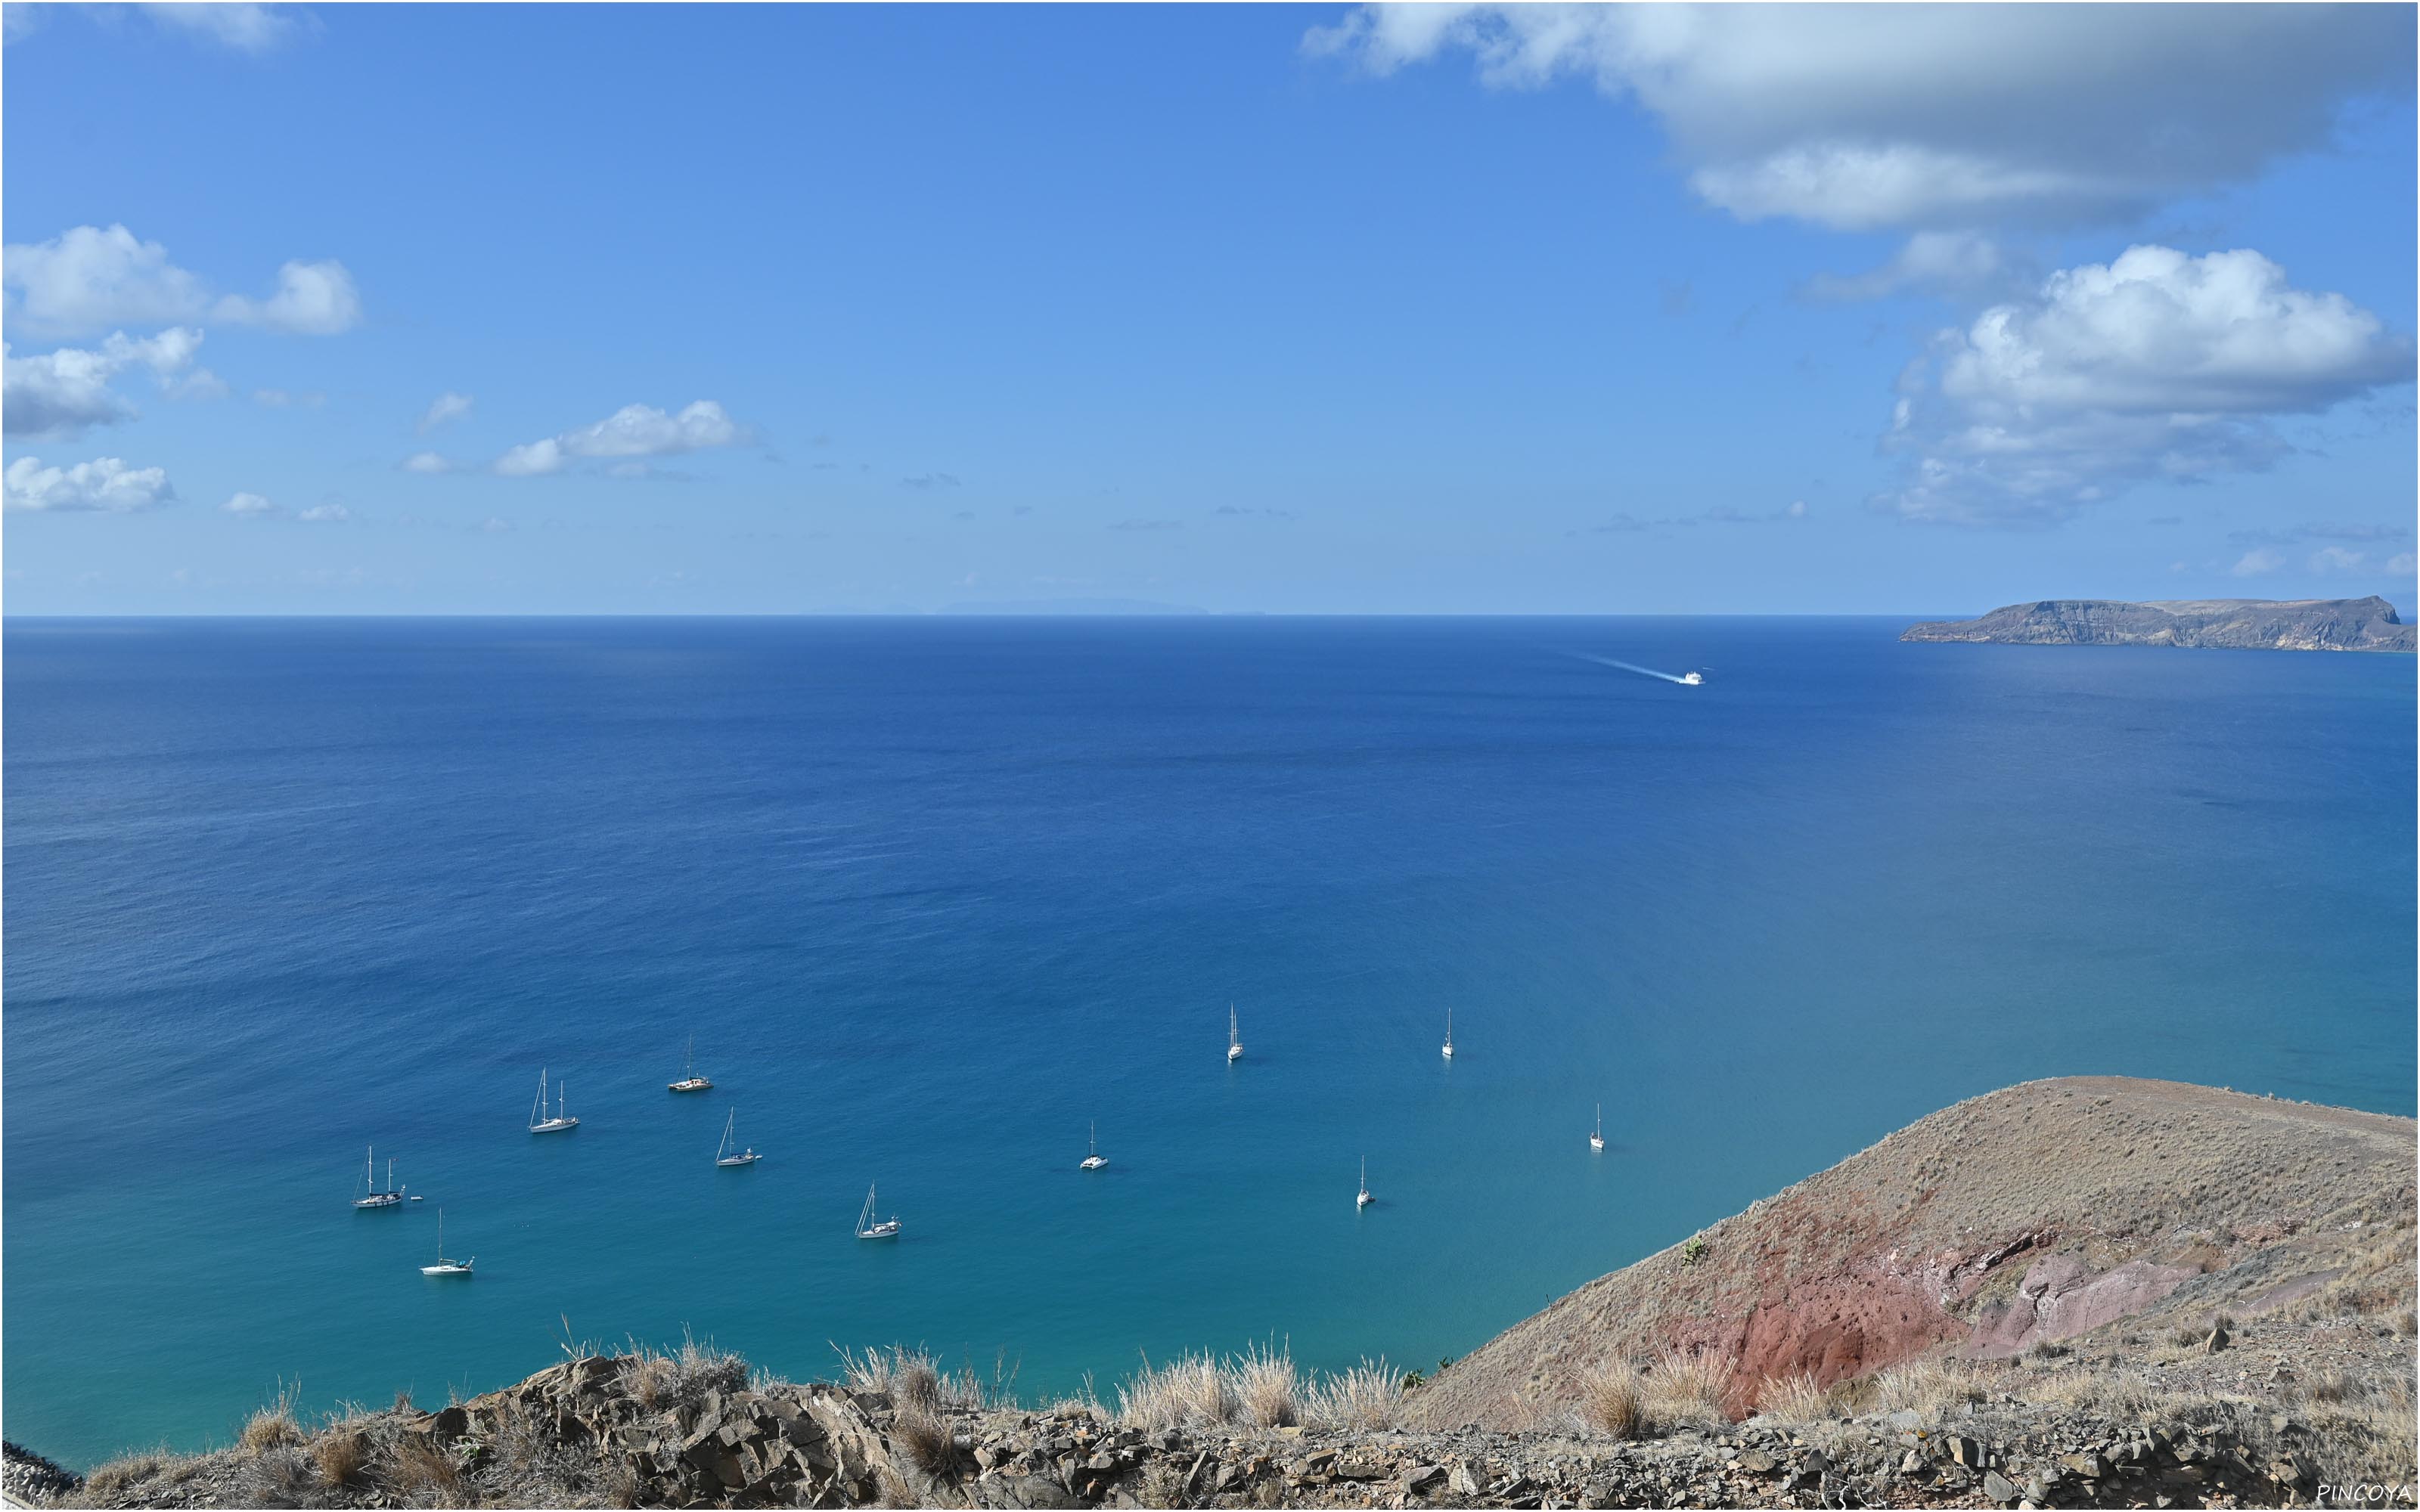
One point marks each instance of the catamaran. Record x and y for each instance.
(1364, 1199)
(691, 1081)
(867, 1227)
(1596, 1135)
(1234, 1041)
(1094, 1159)
(539, 1122)
(372, 1196)
(725, 1155)
(444, 1266)
(1448, 1034)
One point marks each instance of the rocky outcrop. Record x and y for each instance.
(2233, 624)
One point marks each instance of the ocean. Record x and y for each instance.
(933, 895)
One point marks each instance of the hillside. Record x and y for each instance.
(2042, 1211)
(2227, 624)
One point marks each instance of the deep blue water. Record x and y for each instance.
(933, 893)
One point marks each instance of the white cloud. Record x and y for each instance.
(246, 28)
(1931, 262)
(446, 407)
(325, 513)
(312, 299)
(90, 279)
(2156, 365)
(427, 462)
(632, 431)
(2258, 560)
(105, 485)
(249, 503)
(1933, 116)
(59, 394)
(16, 21)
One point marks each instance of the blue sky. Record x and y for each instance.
(1249, 308)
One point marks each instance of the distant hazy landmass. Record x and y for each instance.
(2229, 624)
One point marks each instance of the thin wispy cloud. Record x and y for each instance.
(635, 431)
(446, 407)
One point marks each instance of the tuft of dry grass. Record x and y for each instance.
(127, 1470)
(340, 1450)
(272, 1425)
(418, 1466)
(1611, 1402)
(1796, 1398)
(1368, 1396)
(1266, 1385)
(1682, 1389)
(925, 1440)
(1186, 1391)
(1929, 1387)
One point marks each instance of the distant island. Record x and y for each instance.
(2226, 624)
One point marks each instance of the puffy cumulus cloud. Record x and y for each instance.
(635, 431)
(1933, 116)
(105, 485)
(446, 407)
(89, 278)
(2156, 365)
(60, 394)
(249, 503)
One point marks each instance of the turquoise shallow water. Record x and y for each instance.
(931, 894)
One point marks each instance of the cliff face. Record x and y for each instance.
(2036, 1214)
(2229, 624)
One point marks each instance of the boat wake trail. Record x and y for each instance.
(1692, 680)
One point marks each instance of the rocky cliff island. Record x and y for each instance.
(2226, 624)
(2092, 1292)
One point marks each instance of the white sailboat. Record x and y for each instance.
(1364, 1199)
(691, 1081)
(371, 1196)
(725, 1155)
(1596, 1135)
(1448, 1034)
(1234, 1041)
(444, 1266)
(867, 1227)
(539, 1122)
(1094, 1159)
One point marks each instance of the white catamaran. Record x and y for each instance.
(867, 1227)
(725, 1155)
(1234, 1041)
(1448, 1034)
(1364, 1199)
(1094, 1159)
(539, 1122)
(691, 1081)
(444, 1266)
(371, 1196)
(1596, 1135)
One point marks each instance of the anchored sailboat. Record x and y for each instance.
(691, 1081)
(867, 1227)
(1596, 1135)
(539, 1122)
(1364, 1199)
(725, 1155)
(371, 1196)
(1234, 1041)
(1094, 1159)
(1448, 1034)
(444, 1266)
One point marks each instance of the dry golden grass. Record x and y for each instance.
(925, 1439)
(1188, 1391)
(271, 1427)
(418, 1466)
(127, 1470)
(340, 1451)
(1929, 1387)
(1368, 1396)
(1267, 1387)
(1682, 1389)
(1794, 1398)
(1610, 1402)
